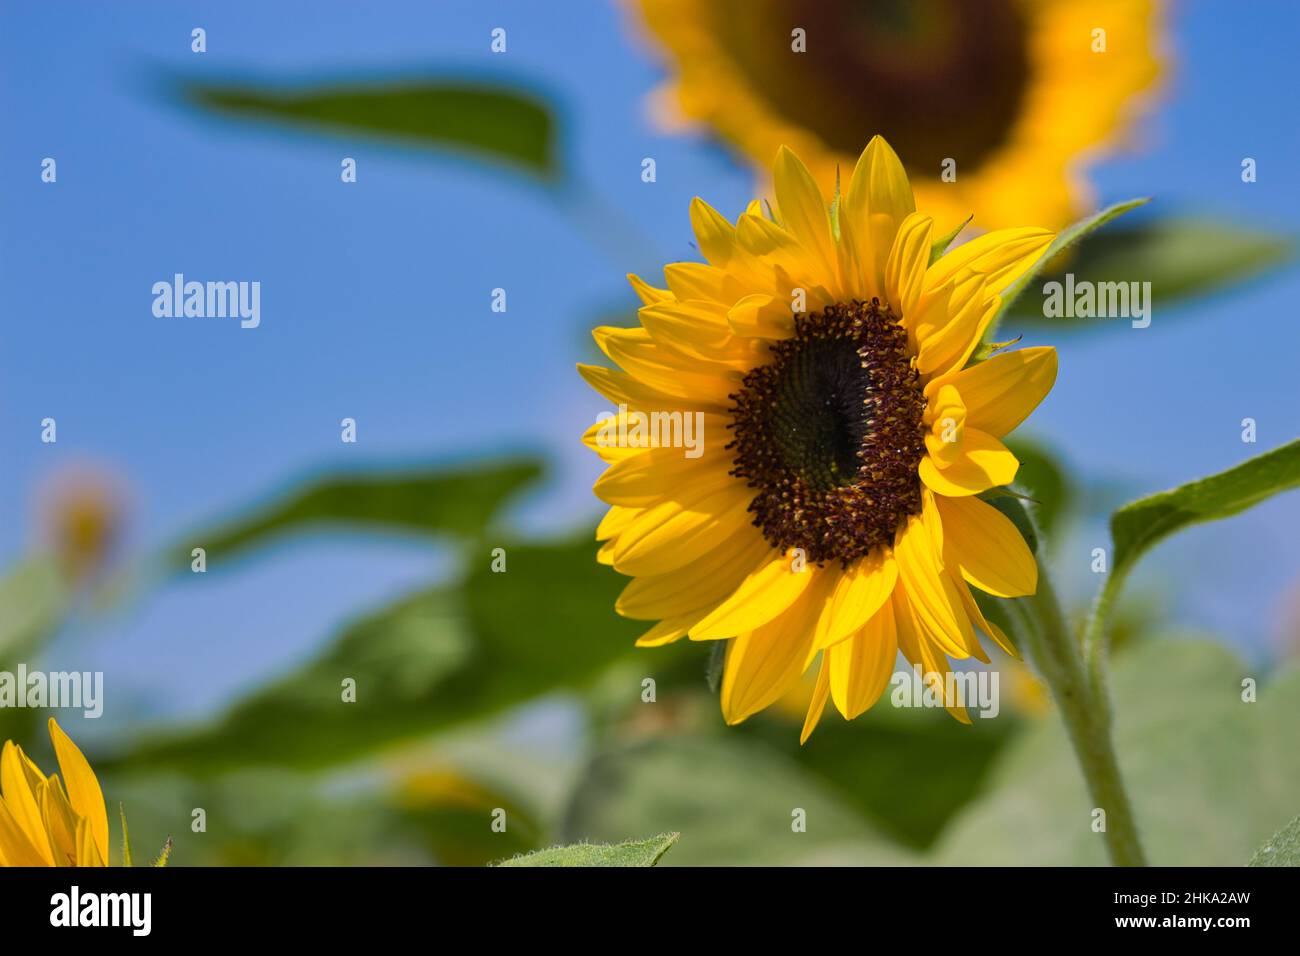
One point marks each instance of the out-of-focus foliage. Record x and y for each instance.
(424, 501)
(435, 659)
(1210, 775)
(486, 122)
(734, 800)
(1181, 258)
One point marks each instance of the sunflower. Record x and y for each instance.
(45, 821)
(995, 103)
(802, 441)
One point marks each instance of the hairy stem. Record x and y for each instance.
(1085, 714)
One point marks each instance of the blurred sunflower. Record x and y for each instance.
(829, 503)
(41, 822)
(1013, 92)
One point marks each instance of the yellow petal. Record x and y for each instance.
(984, 463)
(616, 521)
(695, 280)
(700, 584)
(762, 317)
(764, 595)
(879, 198)
(935, 602)
(818, 704)
(637, 354)
(88, 847)
(1000, 394)
(1003, 255)
(668, 536)
(21, 799)
(921, 653)
(977, 616)
(668, 630)
(987, 548)
(60, 821)
(16, 847)
(83, 788)
(647, 293)
(859, 592)
(947, 417)
(804, 212)
(861, 666)
(951, 346)
(664, 474)
(905, 267)
(715, 236)
(621, 388)
(764, 664)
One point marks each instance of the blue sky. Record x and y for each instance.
(375, 302)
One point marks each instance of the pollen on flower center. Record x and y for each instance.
(830, 433)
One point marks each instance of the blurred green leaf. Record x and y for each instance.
(908, 771)
(501, 124)
(1208, 773)
(632, 853)
(33, 603)
(734, 801)
(438, 658)
(273, 817)
(426, 501)
(1281, 849)
(1141, 524)
(1066, 239)
(1181, 258)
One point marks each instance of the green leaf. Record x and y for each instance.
(1064, 240)
(632, 853)
(735, 802)
(863, 761)
(939, 246)
(1281, 849)
(436, 659)
(34, 600)
(382, 815)
(506, 125)
(1141, 524)
(424, 501)
(1181, 258)
(1209, 774)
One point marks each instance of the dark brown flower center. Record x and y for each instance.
(936, 78)
(829, 435)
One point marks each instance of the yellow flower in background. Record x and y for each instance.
(1018, 94)
(82, 511)
(45, 821)
(800, 444)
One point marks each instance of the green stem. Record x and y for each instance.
(1096, 645)
(1086, 718)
